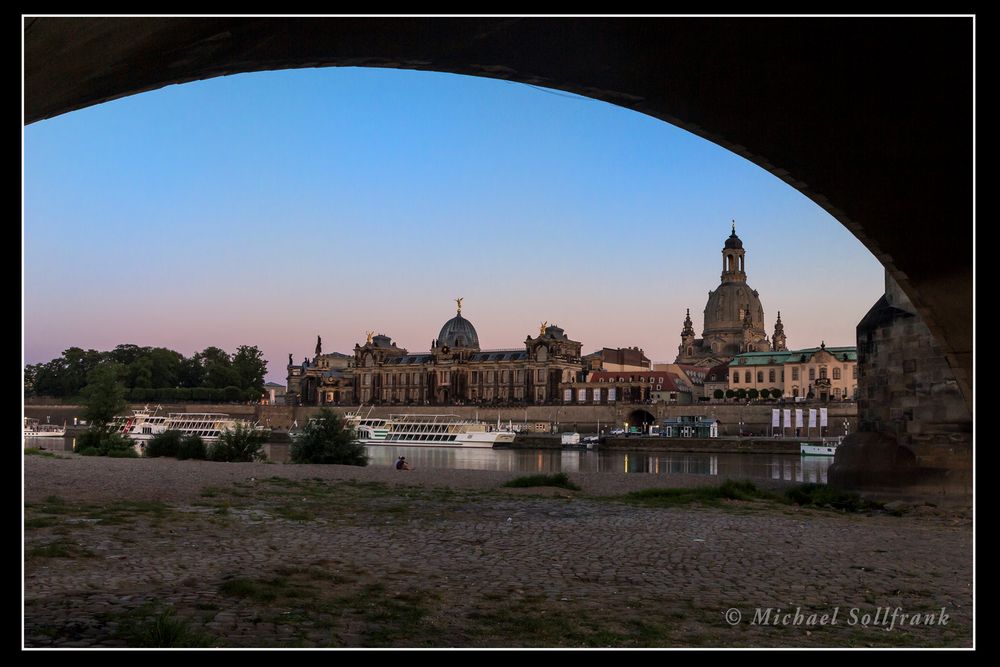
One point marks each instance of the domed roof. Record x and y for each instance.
(727, 306)
(458, 332)
(734, 241)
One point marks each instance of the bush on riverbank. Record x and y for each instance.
(99, 442)
(173, 443)
(192, 447)
(242, 444)
(164, 444)
(328, 439)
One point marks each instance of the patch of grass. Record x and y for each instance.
(390, 619)
(560, 480)
(535, 622)
(58, 549)
(125, 511)
(151, 628)
(265, 590)
(40, 522)
(708, 495)
(52, 505)
(35, 451)
(312, 573)
(294, 513)
(821, 495)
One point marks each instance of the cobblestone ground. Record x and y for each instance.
(271, 561)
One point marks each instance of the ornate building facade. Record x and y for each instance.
(733, 317)
(455, 370)
(821, 373)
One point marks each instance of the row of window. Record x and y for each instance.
(631, 378)
(795, 375)
(444, 377)
(413, 437)
(502, 376)
(771, 375)
(488, 394)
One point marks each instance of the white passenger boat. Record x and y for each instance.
(32, 429)
(427, 431)
(824, 448)
(145, 424)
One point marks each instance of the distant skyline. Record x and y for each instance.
(266, 208)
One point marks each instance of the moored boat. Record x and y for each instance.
(417, 430)
(33, 429)
(818, 448)
(145, 424)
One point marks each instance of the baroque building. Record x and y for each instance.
(821, 373)
(454, 371)
(733, 317)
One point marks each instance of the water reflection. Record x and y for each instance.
(64, 444)
(736, 466)
(787, 467)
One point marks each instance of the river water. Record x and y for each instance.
(787, 467)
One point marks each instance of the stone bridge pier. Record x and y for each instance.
(914, 425)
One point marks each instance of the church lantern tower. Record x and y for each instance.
(778, 339)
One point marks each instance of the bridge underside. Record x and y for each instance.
(869, 118)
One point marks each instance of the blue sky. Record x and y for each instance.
(267, 208)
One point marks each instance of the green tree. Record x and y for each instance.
(48, 378)
(328, 439)
(776, 393)
(753, 394)
(741, 394)
(126, 354)
(217, 367)
(730, 393)
(718, 393)
(30, 379)
(76, 367)
(190, 374)
(140, 373)
(104, 395)
(250, 367)
(166, 367)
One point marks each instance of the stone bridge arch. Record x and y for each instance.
(870, 118)
(641, 418)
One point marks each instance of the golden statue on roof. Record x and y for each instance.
(459, 302)
(370, 334)
(541, 329)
